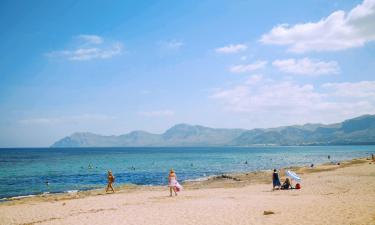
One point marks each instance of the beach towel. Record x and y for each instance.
(178, 187)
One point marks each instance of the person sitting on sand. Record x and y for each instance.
(286, 184)
(275, 180)
(172, 182)
(111, 180)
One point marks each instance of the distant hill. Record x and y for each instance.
(359, 130)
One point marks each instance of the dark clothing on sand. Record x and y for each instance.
(286, 186)
(275, 179)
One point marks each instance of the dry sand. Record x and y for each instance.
(330, 194)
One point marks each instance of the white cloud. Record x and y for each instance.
(90, 39)
(157, 113)
(93, 47)
(267, 96)
(254, 79)
(338, 31)
(248, 67)
(66, 119)
(306, 66)
(362, 89)
(290, 102)
(172, 44)
(232, 48)
(243, 58)
(83, 54)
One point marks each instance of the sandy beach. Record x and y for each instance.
(330, 194)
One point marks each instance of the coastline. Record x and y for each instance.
(72, 170)
(237, 179)
(331, 194)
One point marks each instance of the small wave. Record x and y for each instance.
(18, 197)
(71, 191)
(200, 179)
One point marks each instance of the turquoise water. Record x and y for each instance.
(26, 171)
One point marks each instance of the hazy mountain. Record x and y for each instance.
(178, 135)
(360, 130)
(187, 135)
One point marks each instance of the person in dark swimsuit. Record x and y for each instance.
(111, 180)
(275, 180)
(286, 184)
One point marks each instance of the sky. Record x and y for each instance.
(110, 67)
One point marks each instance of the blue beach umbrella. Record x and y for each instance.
(293, 175)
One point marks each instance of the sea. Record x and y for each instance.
(33, 171)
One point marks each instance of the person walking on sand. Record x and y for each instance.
(172, 182)
(111, 180)
(275, 180)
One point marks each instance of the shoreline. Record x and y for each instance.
(331, 194)
(224, 180)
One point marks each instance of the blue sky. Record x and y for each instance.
(115, 66)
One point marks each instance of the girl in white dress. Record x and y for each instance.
(173, 183)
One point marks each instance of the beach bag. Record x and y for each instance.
(298, 186)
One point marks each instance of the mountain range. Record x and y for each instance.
(359, 130)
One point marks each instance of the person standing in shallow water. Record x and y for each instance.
(111, 180)
(275, 180)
